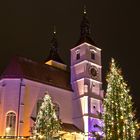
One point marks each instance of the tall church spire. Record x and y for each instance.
(54, 58)
(85, 26)
(85, 35)
(53, 42)
(54, 55)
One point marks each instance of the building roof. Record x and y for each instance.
(70, 128)
(21, 67)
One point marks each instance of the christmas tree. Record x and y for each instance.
(47, 124)
(118, 115)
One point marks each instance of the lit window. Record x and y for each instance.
(77, 54)
(10, 124)
(57, 110)
(86, 88)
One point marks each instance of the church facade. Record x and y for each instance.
(77, 94)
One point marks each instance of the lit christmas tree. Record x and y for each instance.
(47, 124)
(118, 116)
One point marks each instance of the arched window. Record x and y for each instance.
(10, 124)
(57, 110)
(77, 54)
(92, 55)
(39, 103)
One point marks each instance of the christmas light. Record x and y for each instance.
(47, 124)
(118, 115)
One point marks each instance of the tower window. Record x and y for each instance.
(10, 124)
(77, 54)
(92, 55)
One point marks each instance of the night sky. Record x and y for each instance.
(26, 28)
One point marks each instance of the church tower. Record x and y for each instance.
(54, 59)
(86, 80)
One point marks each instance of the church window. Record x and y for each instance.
(10, 124)
(57, 110)
(92, 55)
(85, 88)
(77, 54)
(39, 103)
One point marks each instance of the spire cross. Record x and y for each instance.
(54, 29)
(85, 9)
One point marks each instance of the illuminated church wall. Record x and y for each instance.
(30, 92)
(8, 101)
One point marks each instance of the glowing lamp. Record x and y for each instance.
(8, 130)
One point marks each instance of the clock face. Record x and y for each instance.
(93, 72)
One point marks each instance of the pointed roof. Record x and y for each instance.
(85, 34)
(53, 54)
(20, 67)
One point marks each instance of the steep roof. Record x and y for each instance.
(21, 67)
(85, 34)
(54, 54)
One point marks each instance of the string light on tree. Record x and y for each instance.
(47, 124)
(118, 115)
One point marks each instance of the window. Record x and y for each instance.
(57, 110)
(92, 55)
(10, 124)
(39, 103)
(77, 54)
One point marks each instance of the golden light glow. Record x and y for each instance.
(8, 130)
(56, 64)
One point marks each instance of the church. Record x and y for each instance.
(76, 93)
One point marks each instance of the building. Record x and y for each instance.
(77, 94)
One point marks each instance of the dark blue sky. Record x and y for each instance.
(26, 28)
